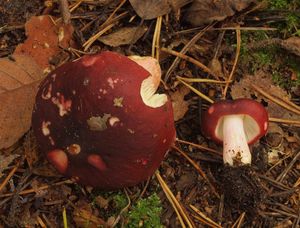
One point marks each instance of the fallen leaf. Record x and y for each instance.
(292, 45)
(44, 39)
(180, 106)
(127, 35)
(83, 215)
(19, 80)
(150, 9)
(5, 161)
(206, 11)
(242, 89)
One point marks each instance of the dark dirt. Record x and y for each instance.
(242, 188)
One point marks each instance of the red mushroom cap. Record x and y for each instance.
(255, 118)
(92, 122)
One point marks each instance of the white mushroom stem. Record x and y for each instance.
(235, 147)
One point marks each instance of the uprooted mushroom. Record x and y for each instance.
(100, 121)
(236, 124)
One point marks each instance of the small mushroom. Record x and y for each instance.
(236, 124)
(102, 122)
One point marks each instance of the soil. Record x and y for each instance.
(263, 195)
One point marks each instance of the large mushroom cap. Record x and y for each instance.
(99, 121)
(255, 119)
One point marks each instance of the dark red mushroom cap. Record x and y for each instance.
(255, 118)
(93, 122)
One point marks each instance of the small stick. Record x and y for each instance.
(65, 12)
(185, 50)
(174, 202)
(11, 173)
(239, 221)
(276, 101)
(203, 80)
(40, 222)
(189, 59)
(199, 146)
(237, 54)
(65, 220)
(203, 96)
(156, 38)
(284, 121)
(288, 168)
(32, 190)
(207, 219)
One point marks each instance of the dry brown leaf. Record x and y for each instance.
(83, 215)
(126, 35)
(263, 80)
(44, 39)
(5, 161)
(292, 45)
(19, 80)
(206, 11)
(150, 9)
(180, 106)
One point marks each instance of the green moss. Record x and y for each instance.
(120, 201)
(289, 9)
(145, 213)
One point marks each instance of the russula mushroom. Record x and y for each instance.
(236, 124)
(100, 122)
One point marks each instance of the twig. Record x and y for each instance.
(189, 59)
(185, 50)
(284, 121)
(28, 191)
(288, 168)
(274, 182)
(156, 38)
(65, 12)
(107, 25)
(208, 221)
(181, 213)
(227, 29)
(276, 101)
(11, 173)
(200, 147)
(41, 222)
(237, 54)
(202, 80)
(221, 209)
(239, 221)
(123, 209)
(65, 220)
(203, 96)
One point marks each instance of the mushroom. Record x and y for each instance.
(100, 122)
(236, 124)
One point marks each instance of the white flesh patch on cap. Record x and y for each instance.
(98, 123)
(149, 97)
(113, 120)
(45, 128)
(63, 105)
(89, 60)
(46, 94)
(251, 128)
(150, 84)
